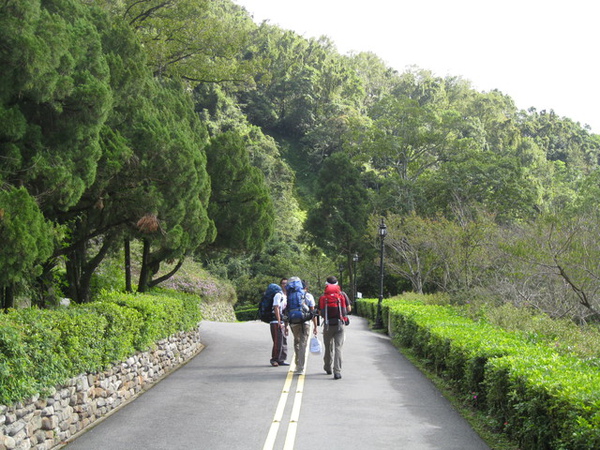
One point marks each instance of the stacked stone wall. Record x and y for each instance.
(46, 422)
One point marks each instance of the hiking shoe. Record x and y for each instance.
(284, 363)
(327, 371)
(274, 363)
(337, 376)
(300, 372)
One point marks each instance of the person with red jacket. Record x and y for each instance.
(334, 310)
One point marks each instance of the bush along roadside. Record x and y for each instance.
(539, 398)
(42, 348)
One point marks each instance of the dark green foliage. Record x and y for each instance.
(106, 110)
(122, 329)
(55, 96)
(337, 223)
(246, 313)
(239, 196)
(42, 348)
(27, 238)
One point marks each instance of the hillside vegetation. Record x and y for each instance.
(137, 136)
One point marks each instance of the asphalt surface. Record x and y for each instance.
(229, 397)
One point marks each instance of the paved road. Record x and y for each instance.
(229, 397)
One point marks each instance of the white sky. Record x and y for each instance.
(542, 53)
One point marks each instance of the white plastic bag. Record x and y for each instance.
(315, 345)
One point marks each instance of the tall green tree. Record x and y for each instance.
(406, 141)
(240, 203)
(499, 183)
(54, 99)
(338, 221)
(197, 40)
(27, 241)
(561, 139)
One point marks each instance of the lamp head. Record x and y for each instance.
(382, 229)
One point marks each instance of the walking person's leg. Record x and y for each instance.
(279, 351)
(297, 333)
(339, 345)
(328, 334)
(303, 333)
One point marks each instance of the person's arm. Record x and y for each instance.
(348, 304)
(277, 308)
(314, 320)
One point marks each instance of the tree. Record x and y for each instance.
(27, 241)
(240, 203)
(562, 248)
(406, 141)
(414, 249)
(338, 221)
(54, 99)
(197, 40)
(561, 139)
(499, 183)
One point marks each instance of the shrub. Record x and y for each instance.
(246, 313)
(122, 330)
(42, 348)
(543, 399)
(16, 381)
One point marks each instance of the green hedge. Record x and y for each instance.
(246, 313)
(42, 348)
(541, 399)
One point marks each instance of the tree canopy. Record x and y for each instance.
(186, 128)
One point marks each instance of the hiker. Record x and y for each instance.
(299, 297)
(334, 310)
(333, 280)
(279, 330)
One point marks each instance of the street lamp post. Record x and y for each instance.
(354, 289)
(382, 234)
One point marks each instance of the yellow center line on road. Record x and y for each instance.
(290, 437)
(270, 442)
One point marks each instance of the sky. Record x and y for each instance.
(542, 53)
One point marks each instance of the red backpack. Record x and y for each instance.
(333, 303)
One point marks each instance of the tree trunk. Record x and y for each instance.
(7, 297)
(127, 248)
(73, 266)
(145, 270)
(165, 277)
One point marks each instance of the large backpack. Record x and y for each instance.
(265, 307)
(297, 310)
(333, 308)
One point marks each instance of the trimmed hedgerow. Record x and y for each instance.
(122, 329)
(42, 348)
(246, 313)
(540, 398)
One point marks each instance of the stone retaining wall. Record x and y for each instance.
(46, 422)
